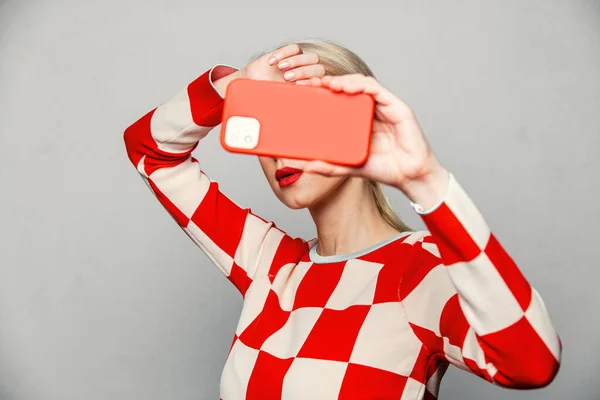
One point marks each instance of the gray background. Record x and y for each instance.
(103, 297)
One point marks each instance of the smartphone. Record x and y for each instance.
(286, 120)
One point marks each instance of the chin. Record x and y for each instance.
(306, 192)
(295, 201)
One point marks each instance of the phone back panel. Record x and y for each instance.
(284, 120)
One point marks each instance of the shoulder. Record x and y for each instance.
(422, 241)
(422, 256)
(285, 249)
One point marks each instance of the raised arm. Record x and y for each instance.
(160, 146)
(469, 303)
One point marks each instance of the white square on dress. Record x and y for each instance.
(288, 340)
(412, 390)
(184, 184)
(222, 260)
(386, 340)
(287, 281)
(237, 371)
(537, 315)
(425, 303)
(309, 378)
(486, 300)
(356, 285)
(467, 213)
(258, 239)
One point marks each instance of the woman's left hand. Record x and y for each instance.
(400, 155)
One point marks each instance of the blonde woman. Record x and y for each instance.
(369, 309)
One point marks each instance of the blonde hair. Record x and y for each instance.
(339, 60)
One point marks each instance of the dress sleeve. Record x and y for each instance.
(160, 146)
(470, 304)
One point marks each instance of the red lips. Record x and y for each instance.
(287, 176)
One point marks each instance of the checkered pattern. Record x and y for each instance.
(384, 325)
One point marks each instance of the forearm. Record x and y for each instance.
(160, 144)
(167, 134)
(222, 82)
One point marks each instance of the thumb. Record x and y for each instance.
(328, 169)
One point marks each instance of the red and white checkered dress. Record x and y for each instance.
(380, 324)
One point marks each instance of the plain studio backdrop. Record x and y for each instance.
(102, 296)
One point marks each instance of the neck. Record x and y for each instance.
(348, 220)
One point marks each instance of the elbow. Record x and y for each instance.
(534, 373)
(537, 380)
(524, 356)
(547, 378)
(548, 368)
(132, 144)
(138, 139)
(544, 376)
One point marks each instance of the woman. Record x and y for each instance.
(369, 309)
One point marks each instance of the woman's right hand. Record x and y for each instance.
(286, 64)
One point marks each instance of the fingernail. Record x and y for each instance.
(272, 60)
(284, 64)
(288, 75)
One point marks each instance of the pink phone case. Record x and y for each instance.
(285, 120)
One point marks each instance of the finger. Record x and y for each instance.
(327, 79)
(327, 169)
(353, 84)
(306, 72)
(314, 81)
(357, 83)
(337, 80)
(389, 106)
(366, 84)
(393, 109)
(298, 60)
(284, 52)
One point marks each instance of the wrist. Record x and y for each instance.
(428, 190)
(222, 78)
